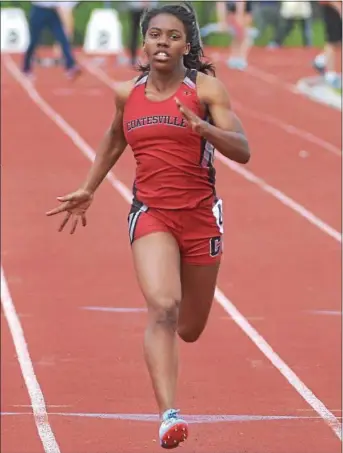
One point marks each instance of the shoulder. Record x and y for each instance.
(123, 90)
(211, 90)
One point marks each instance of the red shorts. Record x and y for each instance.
(198, 231)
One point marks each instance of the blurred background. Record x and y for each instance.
(112, 28)
(206, 11)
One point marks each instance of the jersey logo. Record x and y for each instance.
(215, 246)
(155, 120)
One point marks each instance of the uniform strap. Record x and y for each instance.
(191, 78)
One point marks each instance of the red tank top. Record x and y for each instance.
(174, 164)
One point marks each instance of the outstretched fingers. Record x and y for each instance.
(83, 219)
(62, 208)
(65, 221)
(74, 225)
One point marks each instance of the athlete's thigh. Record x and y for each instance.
(198, 287)
(156, 260)
(156, 256)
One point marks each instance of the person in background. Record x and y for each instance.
(292, 12)
(66, 13)
(238, 16)
(44, 15)
(325, 63)
(265, 14)
(136, 9)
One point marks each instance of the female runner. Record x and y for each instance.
(173, 116)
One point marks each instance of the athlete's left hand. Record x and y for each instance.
(197, 124)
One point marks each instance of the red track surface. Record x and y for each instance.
(278, 269)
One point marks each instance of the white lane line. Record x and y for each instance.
(283, 198)
(35, 393)
(316, 404)
(289, 128)
(116, 309)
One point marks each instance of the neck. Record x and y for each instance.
(163, 80)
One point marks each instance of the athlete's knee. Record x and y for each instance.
(164, 311)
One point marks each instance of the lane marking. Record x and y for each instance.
(289, 128)
(48, 405)
(284, 199)
(227, 305)
(247, 174)
(35, 393)
(279, 364)
(326, 312)
(194, 419)
(116, 309)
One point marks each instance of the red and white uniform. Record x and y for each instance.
(174, 189)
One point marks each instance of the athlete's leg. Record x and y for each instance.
(198, 287)
(157, 264)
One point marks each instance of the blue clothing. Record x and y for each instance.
(41, 17)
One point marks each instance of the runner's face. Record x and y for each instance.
(165, 42)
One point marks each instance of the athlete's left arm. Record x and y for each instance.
(227, 134)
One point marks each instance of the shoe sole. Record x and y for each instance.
(175, 436)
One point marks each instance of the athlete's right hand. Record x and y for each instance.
(75, 205)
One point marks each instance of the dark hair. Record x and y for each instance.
(186, 14)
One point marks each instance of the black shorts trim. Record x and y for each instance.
(137, 209)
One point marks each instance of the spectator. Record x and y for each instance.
(44, 14)
(267, 13)
(292, 12)
(136, 9)
(326, 63)
(238, 16)
(65, 10)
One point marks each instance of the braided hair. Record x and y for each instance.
(186, 14)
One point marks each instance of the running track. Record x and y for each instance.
(264, 379)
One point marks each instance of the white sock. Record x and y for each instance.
(320, 60)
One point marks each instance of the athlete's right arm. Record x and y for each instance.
(75, 204)
(113, 143)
